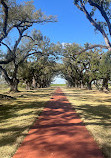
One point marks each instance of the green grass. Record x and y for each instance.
(94, 108)
(16, 117)
(3, 87)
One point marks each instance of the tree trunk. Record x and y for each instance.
(14, 85)
(89, 86)
(83, 85)
(105, 84)
(34, 83)
(28, 85)
(96, 84)
(12, 82)
(76, 83)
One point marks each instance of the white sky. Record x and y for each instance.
(59, 80)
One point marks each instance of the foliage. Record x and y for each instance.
(21, 17)
(42, 69)
(105, 65)
(81, 69)
(90, 8)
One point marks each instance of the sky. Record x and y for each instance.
(72, 25)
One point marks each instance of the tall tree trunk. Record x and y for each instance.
(83, 84)
(97, 84)
(12, 82)
(89, 86)
(105, 84)
(14, 85)
(34, 83)
(28, 85)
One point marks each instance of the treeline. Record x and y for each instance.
(29, 57)
(86, 68)
(38, 74)
(25, 54)
(35, 69)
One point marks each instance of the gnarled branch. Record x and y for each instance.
(103, 13)
(5, 9)
(92, 47)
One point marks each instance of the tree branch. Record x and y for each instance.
(20, 62)
(93, 46)
(98, 27)
(5, 9)
(6, 46)
(28, 37)
(5, 74)
(19, 39)
(7, 61)
(103, 13)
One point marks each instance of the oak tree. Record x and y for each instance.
(101, 24)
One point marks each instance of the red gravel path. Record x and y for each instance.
(58, 133)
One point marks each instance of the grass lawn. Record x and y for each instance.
(94, 108)
(17, 115)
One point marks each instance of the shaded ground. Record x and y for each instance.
(6, 97)
(18, 115)
(94, 107)
(58, 133)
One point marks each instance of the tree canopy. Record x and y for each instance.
(103, 25)
(32, 58)
(21, 17)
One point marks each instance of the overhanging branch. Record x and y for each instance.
(22, 60)
(28, 37)
(7, 61)
(92, 47)
(6, 46)
(5, 9)
(103, 13)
